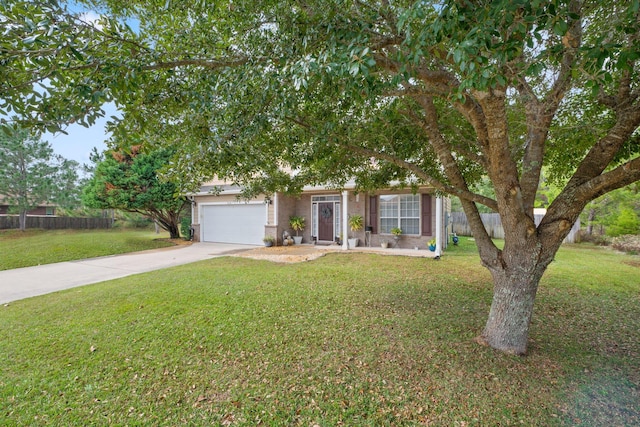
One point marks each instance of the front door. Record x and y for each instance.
(325, 221)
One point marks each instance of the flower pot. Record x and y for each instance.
(268, 244)
(353, 242)
(432, 248)
(384, 245)
(297, 240)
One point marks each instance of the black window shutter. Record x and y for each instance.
(426, 215)
(373, 214)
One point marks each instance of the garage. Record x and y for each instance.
(233, 223)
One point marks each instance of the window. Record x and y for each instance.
(400, 210)
(49, 211)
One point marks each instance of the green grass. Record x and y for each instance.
(35, 247)
(348, 339)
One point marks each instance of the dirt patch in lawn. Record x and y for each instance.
(288, 254)
(176, 242)
(633, 263)
(300, 253)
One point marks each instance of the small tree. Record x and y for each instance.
(129, 181)
(32, 174)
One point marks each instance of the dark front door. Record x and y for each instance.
(325, 221)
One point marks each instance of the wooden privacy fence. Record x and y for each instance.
(55, 222)
(493, 225)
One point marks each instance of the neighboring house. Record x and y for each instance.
(224, 218)
(42, 210)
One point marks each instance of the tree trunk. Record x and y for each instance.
(174, 231)
(514, 293)
(170, 223)
(22, 220)
(516, 275)
(592, 217)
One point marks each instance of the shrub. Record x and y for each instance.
(627, 222)
(629, 243)
(132, 220)
(138, 221)
(595, 238)
(185, 227)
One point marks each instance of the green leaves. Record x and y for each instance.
(239, 88)
(560, 27)
(31, 174)
(59, 68)
(130, 181)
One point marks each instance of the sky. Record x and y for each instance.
(79, 142)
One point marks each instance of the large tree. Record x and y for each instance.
(129, 181)
(31, 174)
(421, 92)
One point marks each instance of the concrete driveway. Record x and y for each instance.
(32, 281)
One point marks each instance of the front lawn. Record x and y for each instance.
(35, 247)
(348, 339)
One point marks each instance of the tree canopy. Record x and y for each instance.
(32, 174)
(430, 92)
(129, 181)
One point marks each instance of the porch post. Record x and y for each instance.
(345, 213)
(193, 219)
(275, 209)
(200, 214)
(266, 211)
(193, 211)
(439, 226)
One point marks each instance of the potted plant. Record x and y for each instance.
(269, 241)
(432, 245)
(396, 233)
(356, 222)
(297, 223)
(384, 244)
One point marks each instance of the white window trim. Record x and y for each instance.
(399, 217)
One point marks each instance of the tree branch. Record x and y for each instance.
(205, 63)
(540, 114)
(566, 208)
(420, 121)
(462, 193)
(602, 153)
(621, 176)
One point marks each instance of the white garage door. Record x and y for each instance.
(237, 223)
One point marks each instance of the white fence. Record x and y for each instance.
(493, 225)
